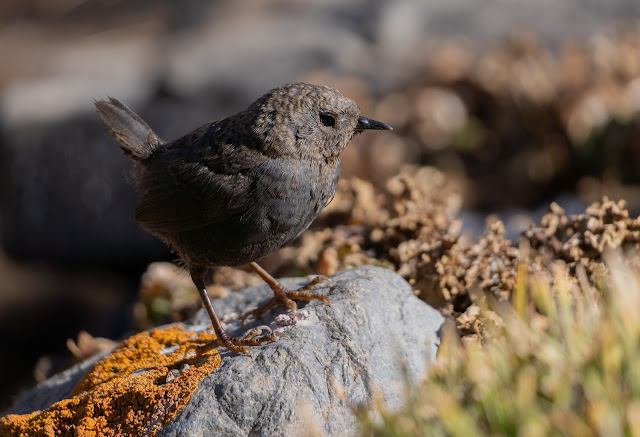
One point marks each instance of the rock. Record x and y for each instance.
(375, 327)
(375, 332)
(57, 387)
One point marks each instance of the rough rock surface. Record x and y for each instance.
(375, 332)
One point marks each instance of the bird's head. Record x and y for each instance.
(303, 120)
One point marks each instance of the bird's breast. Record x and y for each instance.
(291, 194)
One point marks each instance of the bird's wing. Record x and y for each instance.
(184, 194)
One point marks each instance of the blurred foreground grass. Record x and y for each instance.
(563, 358)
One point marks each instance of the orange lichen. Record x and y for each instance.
(132, 391)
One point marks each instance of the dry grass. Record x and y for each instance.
(560, 359)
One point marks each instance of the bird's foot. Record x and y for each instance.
(284, 297)
(241, 345)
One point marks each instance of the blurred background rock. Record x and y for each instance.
(520, 103)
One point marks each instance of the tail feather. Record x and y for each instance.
(137, 140)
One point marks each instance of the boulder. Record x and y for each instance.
(374, 338)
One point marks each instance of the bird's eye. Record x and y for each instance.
(327, 120)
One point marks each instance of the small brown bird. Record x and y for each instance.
(238, 189)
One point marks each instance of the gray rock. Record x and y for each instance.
(376, 330)
(57, 387)
(375, 336)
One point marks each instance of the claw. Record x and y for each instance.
(240, 345)
(285, 297)
(200, 349)
(291, 305)
(323, 278)
(257, 331)
(245, 315)
(189, 349)
(315, 281)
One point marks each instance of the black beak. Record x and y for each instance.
(367, 123)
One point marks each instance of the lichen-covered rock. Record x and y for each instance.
(131, 391)
(375, 333)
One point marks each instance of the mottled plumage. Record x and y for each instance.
(237, 189)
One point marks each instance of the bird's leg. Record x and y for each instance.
(237, 345)
(284, 297)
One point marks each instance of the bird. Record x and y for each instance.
(237, 189)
